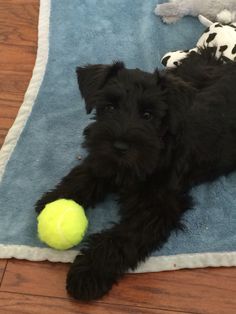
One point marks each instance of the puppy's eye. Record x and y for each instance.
(147, 115)
(109, 108)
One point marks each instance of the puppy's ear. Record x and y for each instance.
(168, 81)
(92, 78)
(160, 79)
(177, 94)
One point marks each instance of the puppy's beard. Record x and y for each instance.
(133, 164)
(139, 160)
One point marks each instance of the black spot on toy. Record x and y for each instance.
(234, 50)
(211, 37)
(223, 48)
(164, 60)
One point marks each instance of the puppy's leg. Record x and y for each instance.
(79, 185)
(146, 223)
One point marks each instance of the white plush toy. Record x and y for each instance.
(222, 38)
(223, 11)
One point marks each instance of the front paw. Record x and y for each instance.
(39, 206)
(85, 282)
(44, 200)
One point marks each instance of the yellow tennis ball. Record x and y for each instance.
(62, 224)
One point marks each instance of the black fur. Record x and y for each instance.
(154, 137)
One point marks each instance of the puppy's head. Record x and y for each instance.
(133, 118)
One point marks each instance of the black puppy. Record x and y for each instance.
(154, 137)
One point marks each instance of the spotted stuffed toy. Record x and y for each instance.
(222, 38)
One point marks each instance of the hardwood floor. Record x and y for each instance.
(27, 287)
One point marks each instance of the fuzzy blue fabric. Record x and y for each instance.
(100, 31)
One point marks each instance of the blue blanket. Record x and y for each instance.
(44, 143)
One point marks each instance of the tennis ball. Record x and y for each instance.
(62, 224)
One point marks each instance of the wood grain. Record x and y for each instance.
(3, 264)
(46, 279)
(25, 304)
(11, 3)
(18, 46)
(18, 34)
(192, 291)
(17, 58)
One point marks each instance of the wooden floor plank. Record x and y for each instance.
(23, 22)
(3, 263)
(45, 278)
(204, 290)
(17, 58)
(25, 304)
(12, 88)
(18, 44)
(12, 3)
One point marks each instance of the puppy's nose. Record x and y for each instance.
(121, 146)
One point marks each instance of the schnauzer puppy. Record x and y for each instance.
(155, 136)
